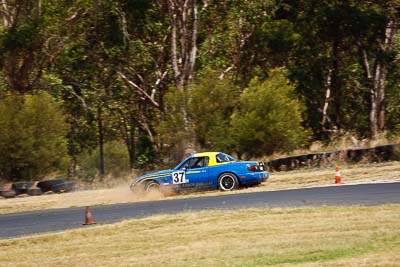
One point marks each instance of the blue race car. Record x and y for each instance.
(202, 171)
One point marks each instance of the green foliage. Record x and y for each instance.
(269, 118)
(21, 37)
(145, 153)
(212, 103)
(173, 130)
(231, 30)
(32, 138)
(331, 53)
(30, 39)
(116, 161)
(3, 84)
(392, 106)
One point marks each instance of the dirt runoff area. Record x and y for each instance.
(350, 174)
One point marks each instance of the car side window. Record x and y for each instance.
(201, 162)
(222, 157)
(198, 162)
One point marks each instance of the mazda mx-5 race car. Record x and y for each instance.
(202, 171)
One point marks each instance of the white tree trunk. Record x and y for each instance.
(327, 99)
(184, 27)
(5, 14)
(377, 112)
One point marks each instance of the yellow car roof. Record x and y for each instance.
(206, 154)
(212, 157)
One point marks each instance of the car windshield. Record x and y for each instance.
(222, 157)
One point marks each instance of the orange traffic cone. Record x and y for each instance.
(88, 217)
(338, 177)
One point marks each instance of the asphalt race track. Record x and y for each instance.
(30, 223)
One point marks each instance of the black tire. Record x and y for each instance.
(22, 187)
(5, 187)
(63, 187)
(228, 182)
(153, 188)
(34, 191)
(8, 193)
(48, 184)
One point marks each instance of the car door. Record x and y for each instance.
(193, 174)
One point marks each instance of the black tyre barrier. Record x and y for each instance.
(54, 185)
(63, 187)
(22, 187)
(355, 155)
(387, 152)
(325, 157)
(287, 164)
(281, 163)
(310, 159)
(47, 185)
(379, 153)
(273, 165)
(4, 187)
(302, 160)
(34, 191)
(8, 193)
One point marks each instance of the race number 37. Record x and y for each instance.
(179, 177)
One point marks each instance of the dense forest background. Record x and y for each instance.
(95, 87)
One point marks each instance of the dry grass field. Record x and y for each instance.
(376, 172)
(327, 236)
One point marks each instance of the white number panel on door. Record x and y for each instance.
(179, 177)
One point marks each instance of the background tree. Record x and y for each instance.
(30, 39)
(339, 61)
(32, 137)
(269, 117)
(212, 103)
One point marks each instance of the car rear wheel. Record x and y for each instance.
(228, 182)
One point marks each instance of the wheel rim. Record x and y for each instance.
(227, 182)
(153, 187)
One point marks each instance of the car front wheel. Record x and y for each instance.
(152, 188)
(228, 182)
